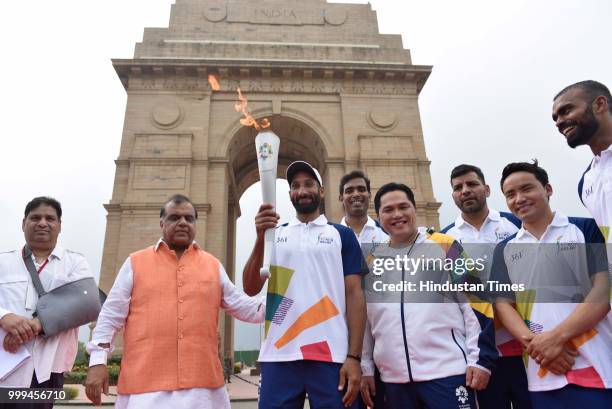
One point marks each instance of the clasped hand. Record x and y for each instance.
(19, 331)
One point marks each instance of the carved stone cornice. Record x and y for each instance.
(182, 160)
(278, 76)
(202, 208)
(392, 162)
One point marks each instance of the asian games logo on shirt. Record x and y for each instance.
(565, 245)
(265, 151)
(322, 239)
(501, 236)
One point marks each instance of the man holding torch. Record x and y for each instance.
(315, 314)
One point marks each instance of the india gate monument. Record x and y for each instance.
(339, 94)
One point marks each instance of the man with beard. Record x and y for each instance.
(315, 312)
(583, 114)
(477, 224)
(355, 197)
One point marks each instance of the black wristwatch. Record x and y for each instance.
(355, 357)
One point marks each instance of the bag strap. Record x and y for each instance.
(27, 259)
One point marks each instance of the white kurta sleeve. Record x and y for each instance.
(113, 315)
(238, 304)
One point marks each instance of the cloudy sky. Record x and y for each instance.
(497, 65)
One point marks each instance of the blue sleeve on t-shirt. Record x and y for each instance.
(581, 183)
(447, 228)
(589, 228)
(595, 244)
(377, 223)
(352, 257)
(511, 218)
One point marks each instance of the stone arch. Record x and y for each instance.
(349, 102)
(299, 141)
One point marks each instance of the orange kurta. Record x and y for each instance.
(170, 340)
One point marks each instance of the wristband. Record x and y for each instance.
(355, 357)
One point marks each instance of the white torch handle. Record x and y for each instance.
(267, 144)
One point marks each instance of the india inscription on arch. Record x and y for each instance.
(338, 93)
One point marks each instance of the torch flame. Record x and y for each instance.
(248, 120)
(213, 80)
(240, 106)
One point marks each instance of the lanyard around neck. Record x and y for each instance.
(26, 252)
(41, 268)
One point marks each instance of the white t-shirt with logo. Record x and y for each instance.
(306, 304)
(595, 190)
(497, 226)
(372, 232)
(522, 259)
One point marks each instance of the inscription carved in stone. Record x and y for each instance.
(254, 85)
(274, 13)
(159, 177)
(161, 145)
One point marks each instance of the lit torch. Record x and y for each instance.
(266, 148)
(266, 144)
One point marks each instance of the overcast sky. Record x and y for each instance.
(497, 65)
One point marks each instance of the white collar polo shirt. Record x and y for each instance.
(18, 296)
(306, 303)
(372, 232)
(497, 227)
(595, 190)
(522, 259)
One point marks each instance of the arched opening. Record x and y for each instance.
(299, 141)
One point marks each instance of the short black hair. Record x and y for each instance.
(43, 200)
(392, 187)
(176, 199)
(593, 89)
(464, 169)
(533, 168)
(356, 174)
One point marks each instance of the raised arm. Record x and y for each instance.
(252, 282)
